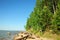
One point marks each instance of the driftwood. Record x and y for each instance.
(24, 36)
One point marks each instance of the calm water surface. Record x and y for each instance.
(7, 35)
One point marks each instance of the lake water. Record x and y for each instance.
(7, 35)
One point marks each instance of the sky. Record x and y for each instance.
(14, 13)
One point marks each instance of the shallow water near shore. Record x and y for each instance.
(7, 35)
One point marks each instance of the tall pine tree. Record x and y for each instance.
(45, 16)
(56, 19)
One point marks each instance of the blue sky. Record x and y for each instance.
(14, 13)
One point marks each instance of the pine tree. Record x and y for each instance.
(40, 18)
(56, 20)
(45, 16)
(34, 17)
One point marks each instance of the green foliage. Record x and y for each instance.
(56, 21)
(44, 17)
